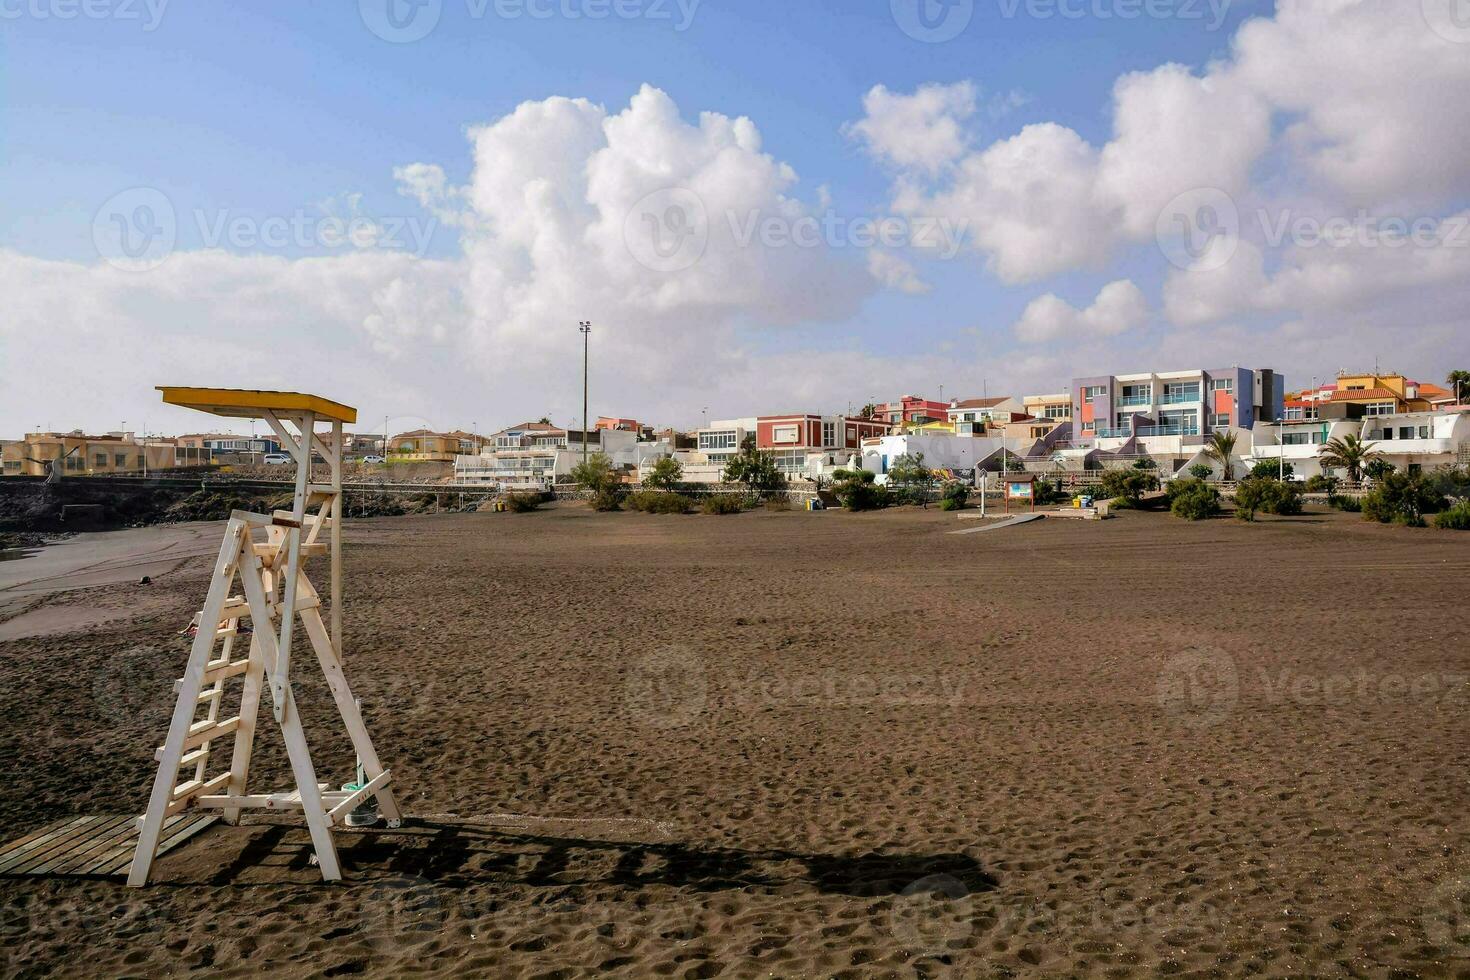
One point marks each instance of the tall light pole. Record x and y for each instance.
(585, 327)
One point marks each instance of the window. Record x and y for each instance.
(790, 460)
(1423, 432)
(1176, 391)
(1295, 414)
(724, 439)
(99, 460)
(1406, 432)
(829, 433)
(1379, 408)
(1295, 439)
(785, 433)
(1226, 385)
(1089, 426)
(1094, 391)
(120, 459)
(1058, 411)
(1220, 420)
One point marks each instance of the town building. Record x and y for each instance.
(972, 416)
(94, 455)
(535, 455)
(424, 446)
(911, 408)
(1412, 442)
(1057, 408)
(814, 445)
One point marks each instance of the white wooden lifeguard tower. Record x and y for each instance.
(276, 591)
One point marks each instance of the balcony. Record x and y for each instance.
(1168, 430)
(1180, 397)
(1122, 433)
(1128, 400)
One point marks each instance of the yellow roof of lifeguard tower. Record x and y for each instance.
(252, 403)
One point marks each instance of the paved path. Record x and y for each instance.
(1008, 522)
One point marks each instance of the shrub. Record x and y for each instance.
(1348, 505)
(665, 474)
(1266, 496)
(608, 498)
(597, 475)
(756, 469)
(1321, 484)
(722, 503)
(1271, 469)
(654, 502)
(1378, 469)
(1195, 500)
(855, 490)
(1457, 518)
(1146, 464)
(1048, 492)
(953, 496)
(1451, 481)
(1402, 498)
(1201, 471)
(522, 503)
(1127, 486)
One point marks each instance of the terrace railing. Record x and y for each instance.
(1128, 400)
(1168, 430)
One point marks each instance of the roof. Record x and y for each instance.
(254, 403)
(1381, 394)
(980, 402)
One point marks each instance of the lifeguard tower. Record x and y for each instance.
(275, 593)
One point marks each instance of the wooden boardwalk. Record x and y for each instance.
(92, 845)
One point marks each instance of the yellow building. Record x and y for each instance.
(84, 455)
(423, 446)
(1383, 394)
(1055, 408)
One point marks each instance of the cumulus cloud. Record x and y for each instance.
(924, 131)
(1354, 101)
(896, 273)
(1120, 306)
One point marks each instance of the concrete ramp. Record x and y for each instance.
(1008, 522)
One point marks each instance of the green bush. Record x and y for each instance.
(953, 496)
(1451, 481)
(1348, 505)
(855, 490)
(654, 502)
(664, 474)
(949, 503)
(1378, 469)
(1457, 518)
(1127, 487)
(1271, 469)
(522, 503)
(1268, 496)
(1321, 484)
(1201, 471)
(1193, 500)
(722, 503)
(1402, 498)
(596, 474)
(607, 499)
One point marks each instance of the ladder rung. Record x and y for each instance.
(204, 731)
(185, 793)
(212, 694)
(189, 758)
(217, 670)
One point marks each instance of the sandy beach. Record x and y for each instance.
(797, 745)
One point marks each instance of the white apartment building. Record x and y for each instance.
(1411, 441)
(533, 456)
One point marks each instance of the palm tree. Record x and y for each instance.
(1220, 449)
(1459, 382)
(1348, 453)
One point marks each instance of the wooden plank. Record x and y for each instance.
(15, 852)
(115, 860)
(125, 836)
(101, 832)
(45, 845)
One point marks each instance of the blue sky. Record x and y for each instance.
(266, 108)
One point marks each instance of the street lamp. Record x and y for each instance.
(585, 328)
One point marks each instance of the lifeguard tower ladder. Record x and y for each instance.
(276, 592)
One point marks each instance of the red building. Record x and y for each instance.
(912, 408)
(792, 439)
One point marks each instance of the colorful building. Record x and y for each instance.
(1057, 408)
(972, 416)
(806, 444)
(1118, 412)
(911, 408)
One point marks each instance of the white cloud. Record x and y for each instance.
(923, 131)
(896, 273)
(1120, 306)
(1370, 107)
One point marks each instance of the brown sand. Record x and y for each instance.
(811, 745)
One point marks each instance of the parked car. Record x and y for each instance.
(373, 459)
(276, 459)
